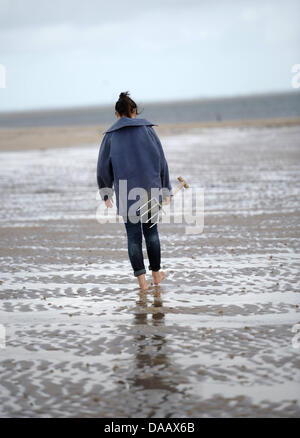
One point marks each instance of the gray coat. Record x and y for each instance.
(131, 151)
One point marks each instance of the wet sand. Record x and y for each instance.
(214, 340)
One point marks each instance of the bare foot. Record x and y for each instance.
(158, 276)
(143, 282)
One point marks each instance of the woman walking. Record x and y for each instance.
(131, 159)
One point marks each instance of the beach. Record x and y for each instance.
(47, 137)
(218, 338)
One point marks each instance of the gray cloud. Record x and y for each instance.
(40, 25)
(39, 13)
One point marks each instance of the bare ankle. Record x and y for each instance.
(158, 276)
(143, 282)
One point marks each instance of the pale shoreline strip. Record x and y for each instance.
(46, 137)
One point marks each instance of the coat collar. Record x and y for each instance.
(127, 121)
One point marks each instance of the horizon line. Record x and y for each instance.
(92, 107)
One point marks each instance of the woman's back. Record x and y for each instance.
(135, 156)
(131, 150)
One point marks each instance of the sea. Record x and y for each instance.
(264, 106)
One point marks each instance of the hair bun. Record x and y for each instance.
(124, 94)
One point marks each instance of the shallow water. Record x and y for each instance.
(215, 339)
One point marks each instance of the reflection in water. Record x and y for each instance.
(153, 367)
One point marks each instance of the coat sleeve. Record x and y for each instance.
(105, 177)
(164, 169)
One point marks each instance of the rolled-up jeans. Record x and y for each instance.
(135, 232)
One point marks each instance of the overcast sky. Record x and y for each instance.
(64, 53)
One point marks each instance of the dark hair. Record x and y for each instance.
(125, 105)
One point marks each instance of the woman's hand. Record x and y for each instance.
(167, 200)
(109, 203)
